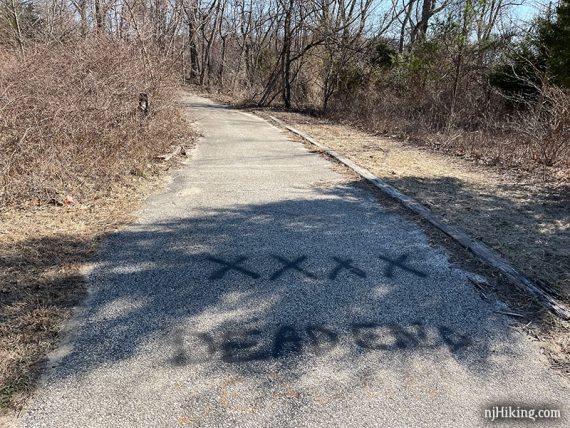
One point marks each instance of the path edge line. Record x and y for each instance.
(482, 251)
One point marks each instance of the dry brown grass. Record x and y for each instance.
(526, 220)
(69, 119)
(76, 157)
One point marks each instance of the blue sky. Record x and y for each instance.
(530, 9)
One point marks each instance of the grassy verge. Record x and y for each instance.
(77, 156)
(524, 218)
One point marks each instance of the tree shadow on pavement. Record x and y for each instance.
(297, 283)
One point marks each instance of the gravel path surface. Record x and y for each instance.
(263, 289)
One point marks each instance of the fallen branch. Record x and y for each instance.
(510, 314)
(179, 150)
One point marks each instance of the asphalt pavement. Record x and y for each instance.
(264, 289)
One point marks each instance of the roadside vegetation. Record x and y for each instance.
(87, 102)
(71, 123)
(83, 116)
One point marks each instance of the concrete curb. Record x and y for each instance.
(486, 254)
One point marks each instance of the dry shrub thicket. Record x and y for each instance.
(546, 127)
(472, 78)
(483, 128)
(76, 157)
(69, 119)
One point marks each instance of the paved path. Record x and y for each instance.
(263, 289)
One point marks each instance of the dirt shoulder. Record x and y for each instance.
(45, 249)
(526, 220)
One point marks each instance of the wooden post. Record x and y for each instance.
(144, 105)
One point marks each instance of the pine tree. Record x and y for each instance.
(554, 36)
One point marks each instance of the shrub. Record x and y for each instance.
(69, 119)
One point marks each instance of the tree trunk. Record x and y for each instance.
(286, 62)
(194, 66)
(420, 30)
(99, 17)
(17, 26)
(459, 62)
